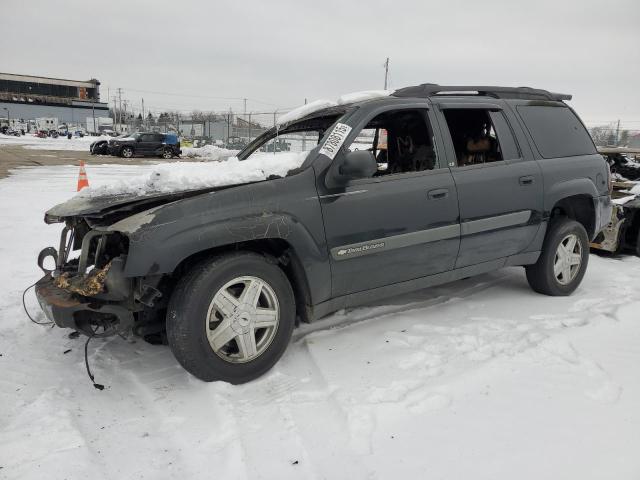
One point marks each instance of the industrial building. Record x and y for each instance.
(27, 97)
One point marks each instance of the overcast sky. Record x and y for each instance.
(208, 55)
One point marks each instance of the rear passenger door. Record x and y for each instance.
(499, 184)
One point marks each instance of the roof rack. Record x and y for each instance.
(524, 93)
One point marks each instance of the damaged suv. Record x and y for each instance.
(417, 188)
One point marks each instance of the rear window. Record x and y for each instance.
(556, 131)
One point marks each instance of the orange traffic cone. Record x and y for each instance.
(83, 181)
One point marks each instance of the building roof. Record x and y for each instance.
(92, 83)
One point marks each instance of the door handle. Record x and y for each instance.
(527, 180)
(438, 193)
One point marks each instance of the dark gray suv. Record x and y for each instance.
(428, 185)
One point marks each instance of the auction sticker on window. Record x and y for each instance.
(335, 140)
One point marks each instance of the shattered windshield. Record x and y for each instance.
(297, 137)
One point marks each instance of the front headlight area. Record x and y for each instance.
(89, 262)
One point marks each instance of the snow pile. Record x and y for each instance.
(309, 108)
(304, 110)
(636, 189)
(208, 152)
(61, 143)
(183, 176)
(623, 200)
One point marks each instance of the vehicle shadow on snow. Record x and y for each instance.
(115, 357)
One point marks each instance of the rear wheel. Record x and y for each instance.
(167, 154)
(126, 152)
(563, 260)
(231, 318)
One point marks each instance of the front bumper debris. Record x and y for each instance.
(87, 285)
(70, 310)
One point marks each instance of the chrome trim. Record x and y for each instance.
(383, 244)
(493, 223)
(395, 241)
(333, 195)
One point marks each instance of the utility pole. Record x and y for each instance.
(126, 119)
(144, 119)
(386, 73)
(249, 127)
(618, 134)
(115, 114)
(120, 107)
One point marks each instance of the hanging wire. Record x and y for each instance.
(24, 306)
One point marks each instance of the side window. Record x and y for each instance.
(556, 131)
(401, 141)
(507, 142)
(475, 139)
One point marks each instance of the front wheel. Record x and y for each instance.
(126, 152)
(563, 260)
(231, 318)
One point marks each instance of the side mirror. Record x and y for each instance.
(352, 166)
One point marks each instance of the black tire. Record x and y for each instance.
(167, 154)
(126, 152)
(187, 314)
(541, 276)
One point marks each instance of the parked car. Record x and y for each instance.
(146, 144)
(99, 147)
(467, 181)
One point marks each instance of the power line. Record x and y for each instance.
(210, 97)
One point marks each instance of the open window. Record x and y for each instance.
(480, 136)
(400, 140)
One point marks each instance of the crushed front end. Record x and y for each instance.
(87, 290)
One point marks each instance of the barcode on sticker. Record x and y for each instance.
(335, 140)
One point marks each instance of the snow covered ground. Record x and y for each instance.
(208, 152)
(61, 143)
(479, 379)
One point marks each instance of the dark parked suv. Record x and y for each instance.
(423, 187)
(145, 144)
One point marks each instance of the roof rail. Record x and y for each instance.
(525, 93)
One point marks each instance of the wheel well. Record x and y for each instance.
(579, 208)
(279, 251)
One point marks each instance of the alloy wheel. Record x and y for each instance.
(242, 319)
(568, 259)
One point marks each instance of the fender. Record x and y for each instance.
(568, 188)
(164, 236)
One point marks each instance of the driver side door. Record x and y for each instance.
(392, 227)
